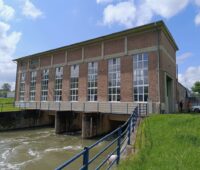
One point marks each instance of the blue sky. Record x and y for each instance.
(31, 26)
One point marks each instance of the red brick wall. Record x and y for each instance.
(74, 54)
(59, 57)
(126, 79)
(114, 46)
(168, 46)
(17, 83)
(166, 65)
(102, 80)
(38, 85)
(93, 50)
(111, 47)
(143, 40)
(82, 89)
(153, 77)
(45, 60)
(51, 84)
(66, 83)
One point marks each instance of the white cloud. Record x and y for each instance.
(143, 17)
(6, 12)
(183, 57)
(8, 43)
(166, 8)
(30, 10)
(197, 19)
(190, 76)
(103, 1)
(123, 13)
(128, 13)
(197, 2)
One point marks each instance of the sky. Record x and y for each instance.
(32, 26)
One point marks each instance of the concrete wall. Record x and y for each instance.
(24, 119)
(67, 122)
(91, 124)
(96, 124)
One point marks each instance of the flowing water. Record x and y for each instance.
(39, 149)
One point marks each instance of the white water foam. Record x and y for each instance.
(63, 148)
(26, 143)
(33, 153)
(43, 136)
(15, 166)
(5, 154)
(18, 166)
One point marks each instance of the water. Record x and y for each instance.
(40, 149)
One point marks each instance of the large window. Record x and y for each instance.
(44, 84)
(74, 82)
(92, 81)
(33, 75)
(58, 84)
(114, 79)
(140, 77)
(22, 86)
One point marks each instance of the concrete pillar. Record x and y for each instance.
(67, 122)
(95, 124)
(73, 121)
(89, 125)
(60, 122)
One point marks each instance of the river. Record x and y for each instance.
(40, 149)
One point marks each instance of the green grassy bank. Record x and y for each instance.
(166, 142)
(7, 104)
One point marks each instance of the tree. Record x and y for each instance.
(196, 87)
(6, 87)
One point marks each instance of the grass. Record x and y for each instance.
(7, 105)
(166, 142)
(6, 100)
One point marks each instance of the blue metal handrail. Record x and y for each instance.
(124, 134)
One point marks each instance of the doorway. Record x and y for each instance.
(169, 94)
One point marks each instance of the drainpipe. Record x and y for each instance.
(158, 65)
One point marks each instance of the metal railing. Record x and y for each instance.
(115, 147)
(8, 107)
(103, 107)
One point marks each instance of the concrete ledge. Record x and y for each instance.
(101, 107)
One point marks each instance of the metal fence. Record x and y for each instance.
(8, 107)
(103, 107)
(116, 147)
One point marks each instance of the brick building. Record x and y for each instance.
(109, 74)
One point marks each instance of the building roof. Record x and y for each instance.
(160, 25)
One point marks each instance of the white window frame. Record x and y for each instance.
(74, 82)
(140, 77)
(114, 80)
(22, 86)
(44, 84)
(58, 84)
(33, 75)
(92, 94)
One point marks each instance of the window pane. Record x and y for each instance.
(114, 79)
(146, 89)
(140, 77)
(92, 81)
(32, 85)
(74, 74)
